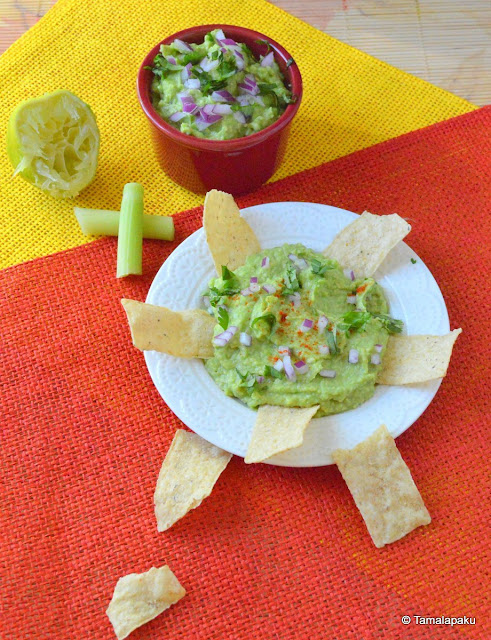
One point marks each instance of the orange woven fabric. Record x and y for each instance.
(273, 552)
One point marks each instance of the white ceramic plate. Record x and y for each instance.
(190, 392)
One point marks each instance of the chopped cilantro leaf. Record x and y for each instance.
(332, 342)
(271, 372)
(391, 324)
(248, 380)
(223, 318)
(318, 268)
(413, 261)
(355, 320)
(291, 281)
(227, 275)
(192, 57)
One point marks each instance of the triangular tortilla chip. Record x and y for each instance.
(382, 487)
(363, 245)
(188, 474)
(186, 334)
(277, 429)
(140, 597)
(230, 239)
(410, 359)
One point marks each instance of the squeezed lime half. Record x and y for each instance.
(53, 143)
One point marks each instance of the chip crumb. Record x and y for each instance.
(230, 238)
(141, 597)
(364, 244)
(382, 487)
(276, 430)
(412, 359)
(187, 476)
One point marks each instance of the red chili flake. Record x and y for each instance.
(361, 288)
(283, 316)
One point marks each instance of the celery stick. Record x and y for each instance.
(130, 232)
(98, 222)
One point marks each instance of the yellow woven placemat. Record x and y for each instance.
(94, 48)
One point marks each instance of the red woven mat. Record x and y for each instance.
(274, 552)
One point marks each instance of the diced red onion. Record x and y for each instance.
(376, 359)
(222, 96)
(239, 59)
(283, 350)
(351, 299)
(224, 338)
(300, 263)
(182, 46)
(245, 339)
(268, 59)
(216, 109)
(253, 280)
(254, 288)
(208, 65)
(289, 370)
(172, 60)
(246, 292)
(353, 356)
(278, 365)
(219, 35)
(260, 379)
(265, 262)
(228, 42)
(269, 288)
(188, 103)
(179, 115)
(240, 117)
(323, 349)
(207, 118)
(327, 373)
(378, 348)
(322, 323)
(192, 83)
(186, 72)
(249, 85)
(295, 298)
(306, 325)
(257, 100)
(301, 367)
(349, 273)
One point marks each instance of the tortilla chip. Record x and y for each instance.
(364, 244)
(382, 487)
(230, 239)
(186, 334)
(188, 475)
(140, 597)
(411, 359)
(276, 430)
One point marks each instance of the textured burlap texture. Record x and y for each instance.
(94, 48)
(273, 552)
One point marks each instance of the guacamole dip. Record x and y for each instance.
(217, 89)
(294, 329)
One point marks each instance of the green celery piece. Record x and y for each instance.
(99, 222)
(130, 232)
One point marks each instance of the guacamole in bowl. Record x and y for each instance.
(217, 89)
(296, 330)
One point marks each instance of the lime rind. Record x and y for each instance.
(53, 143)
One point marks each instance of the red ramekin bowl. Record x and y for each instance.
(236, 166)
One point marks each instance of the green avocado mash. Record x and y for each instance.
(294, 329)
(217, 89)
